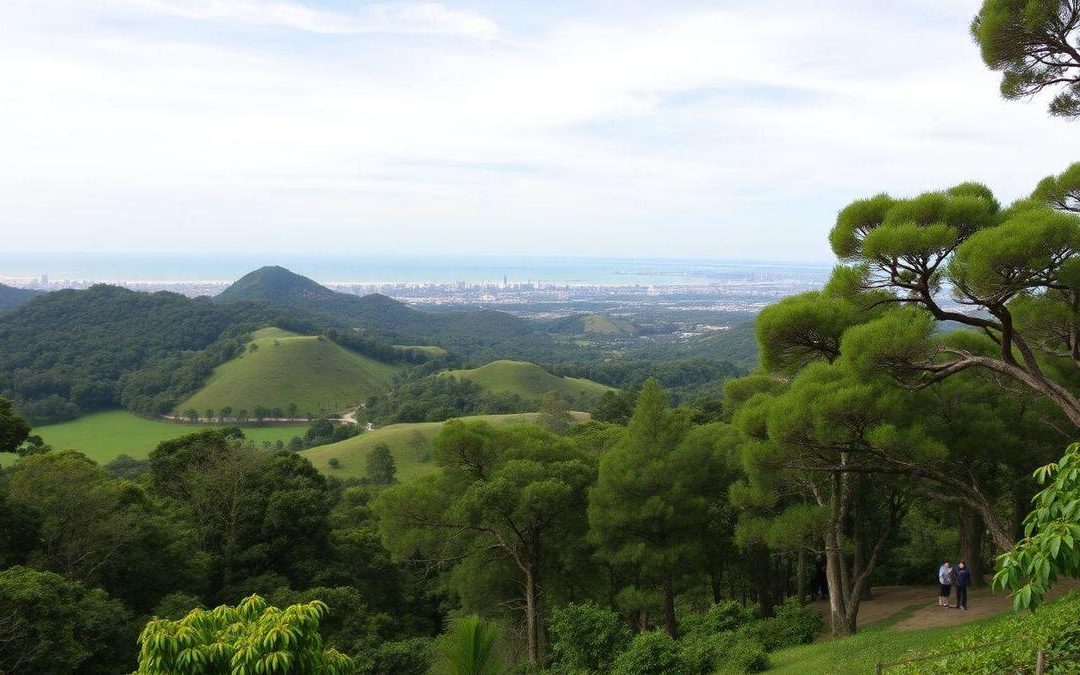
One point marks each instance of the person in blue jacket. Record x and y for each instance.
(944, 575)
(963, 580)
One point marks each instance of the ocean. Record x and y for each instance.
(371, 268)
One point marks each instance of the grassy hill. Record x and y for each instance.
(602, 324)
(106, 435)
(409, 443)
(316, 374)
(528, 381)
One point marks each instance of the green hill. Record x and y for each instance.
(528, 380)
(279, 368)
(410, 445)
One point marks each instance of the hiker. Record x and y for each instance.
(944, 575)
(963, 580)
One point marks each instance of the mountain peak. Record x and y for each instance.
(274, 284)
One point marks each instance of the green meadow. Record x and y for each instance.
(410, 444)
(106, 435)
(527, 380)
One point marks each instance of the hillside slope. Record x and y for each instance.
(11, 297)
(410, 444)
(528, 381)
(278, 369)
(74, 351)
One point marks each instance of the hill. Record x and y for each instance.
(529, 381)
(75, 351)
(278, 369)
(409, 443)
(11, 297)
(470, 331)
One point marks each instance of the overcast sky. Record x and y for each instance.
(616, 128)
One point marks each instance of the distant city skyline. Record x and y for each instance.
(724, 129)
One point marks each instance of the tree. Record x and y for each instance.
(250, 637)
(192, 414)
(209, 415)
(381, 469)
(554, 415)
(1062, 191)
(294, 410)
(1036, 46)
(651, 500)
(1015, 273)
(86, 523)
(13, 429)
(511, 495)
(225, 413)
(51, 624)
(832, 439)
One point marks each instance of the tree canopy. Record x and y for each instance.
(1035, 44)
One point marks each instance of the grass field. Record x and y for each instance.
(104, 436)
(606, 325)
(320, 377)
(528, 381)
(409, 443)
(430, 350)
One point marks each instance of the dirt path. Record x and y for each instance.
(888, 601)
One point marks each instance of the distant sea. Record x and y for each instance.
(370, 268)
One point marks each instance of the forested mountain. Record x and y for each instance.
(74, 351)
(11, 297)
(482, 333)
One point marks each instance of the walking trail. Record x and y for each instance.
(888, 601)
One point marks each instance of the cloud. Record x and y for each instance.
(403, 18)
(654, 129)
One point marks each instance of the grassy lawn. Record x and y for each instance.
(410, 445)
(106, 435)
(320, 377)
(860, 653)
(527, 380)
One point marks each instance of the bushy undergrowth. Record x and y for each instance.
(791, 625)
(1012, 644)
(587, 639)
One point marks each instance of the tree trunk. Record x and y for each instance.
(971, 539)
(800, 575)
(669, 606)
(532, 611)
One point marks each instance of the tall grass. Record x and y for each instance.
(470, 647)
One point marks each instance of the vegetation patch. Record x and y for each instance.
(529, 381)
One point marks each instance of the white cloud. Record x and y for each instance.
(736, 131)
(403, 18)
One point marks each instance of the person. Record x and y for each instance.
(944, 575)
(963, 580)
(820, 583)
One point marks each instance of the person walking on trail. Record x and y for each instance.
(944, 575)
(963, 580)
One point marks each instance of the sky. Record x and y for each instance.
(622, 128)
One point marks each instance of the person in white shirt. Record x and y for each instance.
(945, 574)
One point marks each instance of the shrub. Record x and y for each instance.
(652, 653)
(586, 638)
(793, 624)
(723, 616)
(745, 656)
(334, 463)
(470, 647)
(706, 653)
(403, 657)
